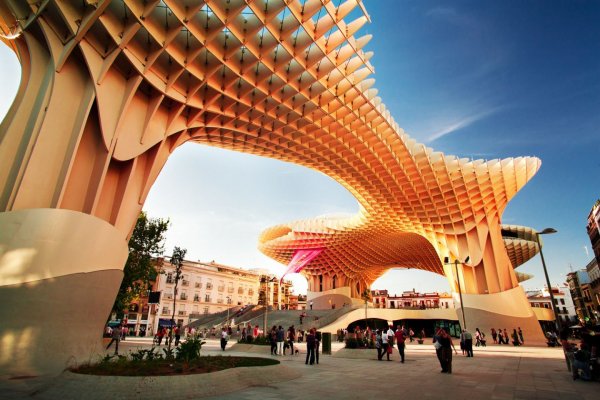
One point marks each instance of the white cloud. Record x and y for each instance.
(459, 122)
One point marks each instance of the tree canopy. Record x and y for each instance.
(146, 243)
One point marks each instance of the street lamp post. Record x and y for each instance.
(462, 305)
(228, 304)
(267, 281)
(548, 231)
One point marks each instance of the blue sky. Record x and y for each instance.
(480, 79)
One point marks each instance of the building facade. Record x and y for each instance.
(415, 300)
(204, 288)
(581, 293)
(540, 298)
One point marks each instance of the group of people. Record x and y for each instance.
(501, 336)
(282, 340)
(384, 342)
(466, 341)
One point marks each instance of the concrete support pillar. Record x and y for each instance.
(60, 271)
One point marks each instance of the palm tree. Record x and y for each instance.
(366, 296)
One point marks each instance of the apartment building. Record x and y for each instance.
(204, 288)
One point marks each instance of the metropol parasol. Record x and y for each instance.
(109, 90)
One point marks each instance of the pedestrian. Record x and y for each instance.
(318, 338)
(446, 351)
(477, 337)
(515, 338)
(116, 337)
(224, 338)
(273, 340)
(384, 344)
(411, 333)
(311, 304)
(521, 336)
(505, 335)
(378, 344)
(160, 334)
(390, 342)
(310, 346)
(467, 339)
(177, 332)
(400, 338)
(280, 340)
(500, 339)
(494, 336)
(291, 336)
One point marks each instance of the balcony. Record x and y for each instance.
(250, 292)
(182, 313)
(198, 285)
(209, 286)
(168, 296)
(240, 291)
(183, 296)
(221, 288)
(220, 301)
(170, 281)
(196, 298)
(165, 311)
(230, 290)
(185, 283)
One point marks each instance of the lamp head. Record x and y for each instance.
(547, 231)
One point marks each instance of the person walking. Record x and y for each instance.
(384, 343)
(494, 336)
(390, 342)
(446, 351)
(521, 336)
(318, 339)
(515, 338)
(177, 332)
(273, 340)
(310, 346)
(500, 339)
(378, 344)
(280, 339)
(400, 338)
(116, 338)
(291, 336)
(477, 337)
(224, 338)
(311, 304)
(467, 339)
(505, 335)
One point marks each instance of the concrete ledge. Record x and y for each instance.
(73, 386)
(251, 348)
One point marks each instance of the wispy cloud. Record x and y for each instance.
(450, 15)
(461, 122)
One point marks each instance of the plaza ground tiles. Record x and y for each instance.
(496, 372)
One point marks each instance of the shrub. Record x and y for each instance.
(189, 350)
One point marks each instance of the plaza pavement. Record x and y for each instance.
(496, 372)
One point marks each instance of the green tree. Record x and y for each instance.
(146, 243)
(177, 261)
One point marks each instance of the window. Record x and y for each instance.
(198, 285)
(165, 310)
(183, 296)
(170, 277)
(196, 297)
(207, 298)
(562, 302)
(209, 284)
(205, 310)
